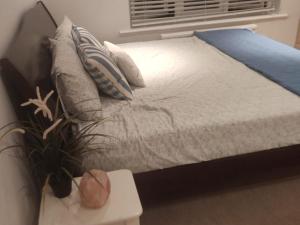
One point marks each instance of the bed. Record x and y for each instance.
(201, 110)
(199, 105)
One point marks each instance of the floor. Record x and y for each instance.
(268, 201)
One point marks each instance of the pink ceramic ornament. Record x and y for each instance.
(94, 189)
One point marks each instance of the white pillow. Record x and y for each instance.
(77, 90)
(63, 31)
(126, 64)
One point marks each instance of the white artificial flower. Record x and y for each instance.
(51, 128)
(41, 104)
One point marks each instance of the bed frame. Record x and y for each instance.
(216, 175)
(173, 182)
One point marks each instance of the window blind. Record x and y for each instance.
(158, 12)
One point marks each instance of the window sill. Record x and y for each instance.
(223, 22)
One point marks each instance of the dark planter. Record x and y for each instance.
(61, 185)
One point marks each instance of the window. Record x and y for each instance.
(159, 12)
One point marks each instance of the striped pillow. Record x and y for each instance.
(81, 35)
(103, 70)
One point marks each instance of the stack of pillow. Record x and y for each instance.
(82, 66)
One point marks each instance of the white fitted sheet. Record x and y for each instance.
(199, 105)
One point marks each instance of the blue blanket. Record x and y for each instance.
(276, 61)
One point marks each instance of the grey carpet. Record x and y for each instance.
(273, 202)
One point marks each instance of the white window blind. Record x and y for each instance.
(158, 12)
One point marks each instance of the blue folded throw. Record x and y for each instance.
(276, 61)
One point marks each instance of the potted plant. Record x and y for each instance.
(54, 145)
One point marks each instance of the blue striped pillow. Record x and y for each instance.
(82, 35)
(106, 74)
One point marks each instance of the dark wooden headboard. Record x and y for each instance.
(27, 61)
(29, 51)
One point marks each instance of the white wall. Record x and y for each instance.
(105, 18)
(284, 30)
(17, 198)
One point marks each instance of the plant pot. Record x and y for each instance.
(61, 185)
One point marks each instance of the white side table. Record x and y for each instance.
(122, 208)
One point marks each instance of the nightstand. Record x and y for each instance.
(122, 208)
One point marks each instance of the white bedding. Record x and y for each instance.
(199, 105)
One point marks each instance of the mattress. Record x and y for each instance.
(199, 105)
